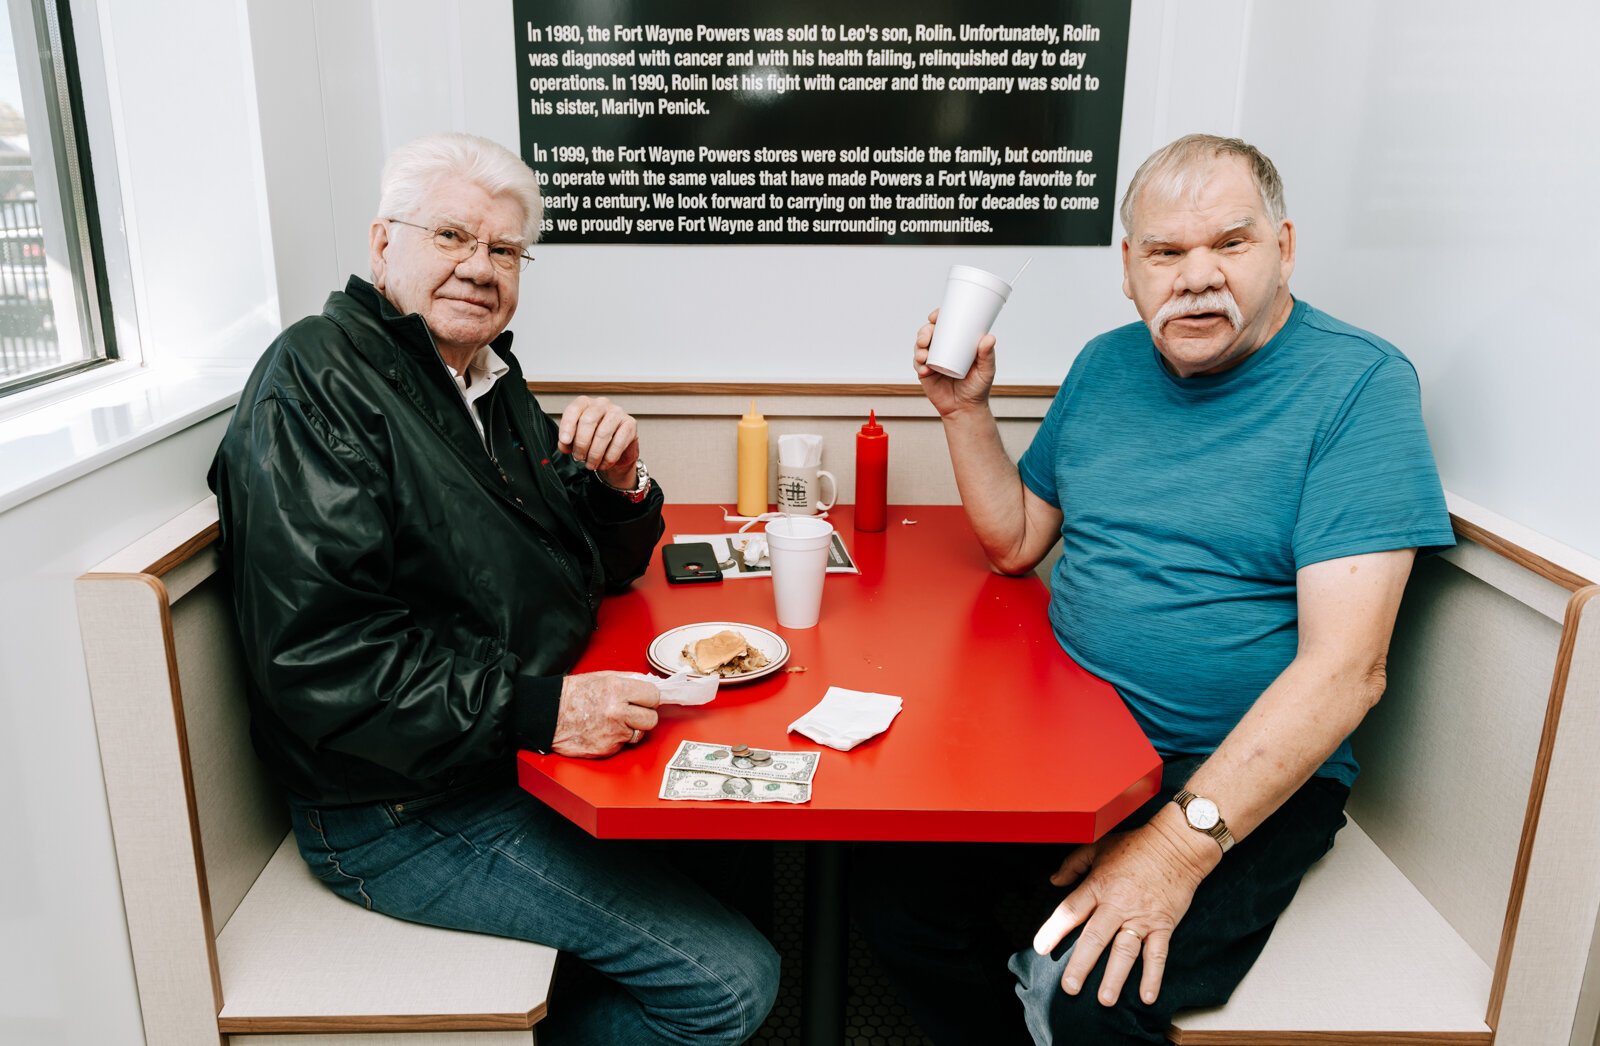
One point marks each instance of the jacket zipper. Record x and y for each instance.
(551, 541)
(520, 411)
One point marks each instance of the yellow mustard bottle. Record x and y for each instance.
(752, 463)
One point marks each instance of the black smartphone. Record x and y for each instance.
(690, 561)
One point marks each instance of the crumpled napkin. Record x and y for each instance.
(682, 688)
(845, 718)
(800, 450)
(752, 550)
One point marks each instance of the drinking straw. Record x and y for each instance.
(1022, 270)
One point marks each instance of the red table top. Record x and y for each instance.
(1002, 737)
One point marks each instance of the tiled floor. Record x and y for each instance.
(873, 1016)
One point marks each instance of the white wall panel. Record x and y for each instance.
(65, 971)
(1435, 155)
(1440, 160)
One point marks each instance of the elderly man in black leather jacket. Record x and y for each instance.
(418, 553)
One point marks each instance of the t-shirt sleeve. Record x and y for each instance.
(1038, 464)
(1372, 485)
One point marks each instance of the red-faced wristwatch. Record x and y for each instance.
(641, 486)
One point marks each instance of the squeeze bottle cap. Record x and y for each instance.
(870, 427)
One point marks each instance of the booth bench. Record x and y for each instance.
(234, 940)
(1458, 906)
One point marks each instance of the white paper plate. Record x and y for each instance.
(665, 652)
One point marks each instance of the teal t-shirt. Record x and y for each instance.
(1188, 505)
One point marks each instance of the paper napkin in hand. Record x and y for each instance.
(682, 688)
(845, 718)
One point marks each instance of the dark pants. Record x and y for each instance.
(944, 918)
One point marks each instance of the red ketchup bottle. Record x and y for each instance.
(872, 475)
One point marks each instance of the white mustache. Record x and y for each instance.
(1192, 304)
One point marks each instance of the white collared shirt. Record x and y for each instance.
(485, 368)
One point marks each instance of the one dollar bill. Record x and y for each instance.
(701, 757)
(689, 784)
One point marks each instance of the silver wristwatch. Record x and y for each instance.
(1203, 816)
(641, 486)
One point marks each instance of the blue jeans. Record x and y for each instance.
(674, 964)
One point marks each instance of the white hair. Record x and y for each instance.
(1182, 168)
(414, 170)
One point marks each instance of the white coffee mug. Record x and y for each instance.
(800, 490)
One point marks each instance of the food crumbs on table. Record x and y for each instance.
(908, 522)
(795, 668)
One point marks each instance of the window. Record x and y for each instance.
(52, 315)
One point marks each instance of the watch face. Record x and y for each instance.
(1202, 814)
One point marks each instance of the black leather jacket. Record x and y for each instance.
(406, 608)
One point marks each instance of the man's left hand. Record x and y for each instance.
(1135, 888)
(603, 436)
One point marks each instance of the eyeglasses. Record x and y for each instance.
(458, 245)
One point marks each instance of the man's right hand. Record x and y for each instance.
(948, 395)
(602, 711)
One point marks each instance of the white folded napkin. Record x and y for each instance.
(682, 688)
(800, 450)
(845, 718)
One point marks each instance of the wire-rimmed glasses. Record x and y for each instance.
(458, 245)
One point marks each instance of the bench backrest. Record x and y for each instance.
(182, 782)
(1473, 780)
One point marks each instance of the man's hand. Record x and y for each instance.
(603, 436)
(945, 393)
(602, 711)
(1136, 887)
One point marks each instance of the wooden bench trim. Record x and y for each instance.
(757, 388)
(185, 552)
(408, 1022)
(163, 606)
(1541, 776)
(1517, 554)
(1330, 1038)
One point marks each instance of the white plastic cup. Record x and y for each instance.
(972, 301)
(798, 549)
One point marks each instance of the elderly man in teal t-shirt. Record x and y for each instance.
(1240, 484)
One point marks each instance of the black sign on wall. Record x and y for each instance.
(831, 121)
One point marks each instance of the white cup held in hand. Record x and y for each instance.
(800, 490)
(972, 301)
(798, 549)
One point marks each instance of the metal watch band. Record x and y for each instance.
(1218, 831)
(641, 485)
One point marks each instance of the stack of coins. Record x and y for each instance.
(740, 751)
(760, 758)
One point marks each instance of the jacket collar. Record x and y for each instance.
(408, 330)
(401, 348)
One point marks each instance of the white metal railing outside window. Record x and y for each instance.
(53, 314)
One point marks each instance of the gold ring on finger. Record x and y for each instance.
(1134, 933)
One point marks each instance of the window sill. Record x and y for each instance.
(78, 433)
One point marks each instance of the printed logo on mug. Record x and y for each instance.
(799, 490)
